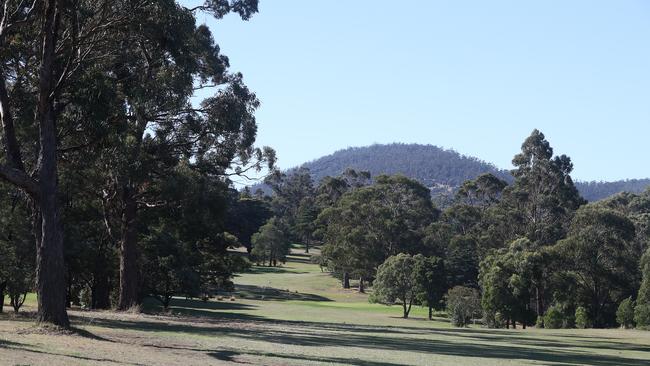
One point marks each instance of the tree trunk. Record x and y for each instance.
(362, 288)
(68, 294)
(50, 276)
(408, 310)
(346, 280)
(129, 278)
(17, 300)
(101, 291)
(430, 312)
(166, 300)
(539, 301)
(2, 295)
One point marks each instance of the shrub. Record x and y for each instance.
(462, 304)
(582, 318)
(625, 313)
(540, 321)
(553, 319)
(493, 320)
(642, 315)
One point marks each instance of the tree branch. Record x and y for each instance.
(11, 146)
(20, 179)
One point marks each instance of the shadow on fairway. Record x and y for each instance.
(231, 356)
(271, 293)
(480, 343)
(27, 348)
(273, 270)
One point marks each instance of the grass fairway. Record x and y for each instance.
(297, 315)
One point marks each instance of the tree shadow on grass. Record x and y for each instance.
(86, 334)
(27, 348)
(273, 270)
(274, 294)
(521, 339)
(299, 258)
(496, 349)
(9, 344)
(197, 308)
(231, 356)
(494, 346)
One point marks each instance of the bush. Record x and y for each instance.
(463, 303)
(540, 321)
(582, 318)
(642, 315)
(625, 313)
(493, 320)
(553, 319)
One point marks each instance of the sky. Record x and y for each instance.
(473, 76)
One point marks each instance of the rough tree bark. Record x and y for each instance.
(50, 277)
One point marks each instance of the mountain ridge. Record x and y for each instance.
(440, 169)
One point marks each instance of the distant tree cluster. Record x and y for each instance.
(529, 252)
(115, 185)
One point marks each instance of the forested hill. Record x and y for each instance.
(440, 169)
(431, 165)
(594, 191)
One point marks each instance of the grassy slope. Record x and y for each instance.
(297, 315)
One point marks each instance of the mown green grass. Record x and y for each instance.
(298, 315)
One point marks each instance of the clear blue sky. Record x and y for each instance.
(475, 76)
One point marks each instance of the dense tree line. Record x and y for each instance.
(107, 166)
(529, 252)
(443, 171)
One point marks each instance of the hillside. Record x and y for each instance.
(439, 169)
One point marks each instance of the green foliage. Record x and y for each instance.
(369, 224)
(506, 277)
(271, 243)
(293, 197)
(596, 256)
(644, 290)
(553, 318)
(483, 191)
(625, 313)
(543, 192)
(184, 247)
(642, 315)
(430, 281)
(582, 318)
(462, 260)
(245, 216)
(463, 304)
(17, 251)
(396, 281)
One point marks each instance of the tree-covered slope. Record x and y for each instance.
(429, 164)
(440, 169)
